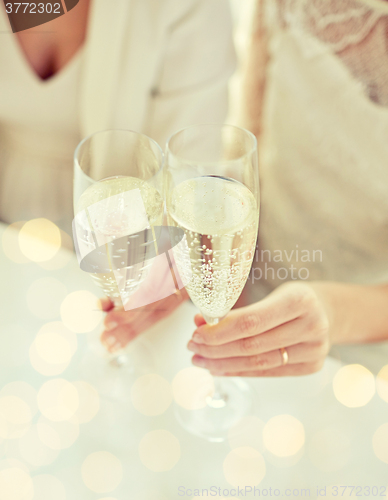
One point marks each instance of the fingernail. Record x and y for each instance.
(191, 346)
(197, 338)
(109, 341)
(111, 326)
(116, 347)
(199, 362)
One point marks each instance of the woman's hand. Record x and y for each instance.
(249, 340)
(123, 326)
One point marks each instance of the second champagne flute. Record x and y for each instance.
(212, 194)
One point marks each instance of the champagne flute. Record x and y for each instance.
(212, 194)
(118, 205)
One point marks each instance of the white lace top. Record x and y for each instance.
(324, 144)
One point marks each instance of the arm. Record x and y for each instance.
(304, 318)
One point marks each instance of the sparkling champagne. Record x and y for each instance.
(219, 217)
(118, 215)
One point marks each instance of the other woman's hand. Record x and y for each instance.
(287, 333)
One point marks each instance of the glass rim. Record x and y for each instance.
(132, 132)
(221, 126)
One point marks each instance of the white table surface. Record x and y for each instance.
(118, 428)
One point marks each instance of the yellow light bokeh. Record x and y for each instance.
(283, 435)
(382, 383)
(33, 451)
(53, 348)
(39, 240)
(47, 487)
(17, 407)
(63, 257)
(10, 243)
(79, 312)
(329, 449)
(89, 402)
(244, 466)
(16, 484)
(380, 443)
(58, 400)
(159, 450)
(191, 387)
(16, 417)
(102, 472)
(151, 394)
(57, 435)
(354, 386)
(247, 432)
(45, 296)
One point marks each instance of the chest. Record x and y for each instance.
(50, 47)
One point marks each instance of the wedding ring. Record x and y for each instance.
(284, 355)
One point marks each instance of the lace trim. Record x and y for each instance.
(355, 31)
(338, 24)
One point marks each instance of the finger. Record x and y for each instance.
(199, 320)
(122, 334)
(105, 304)
(296, 370)
(119, 316)
(294, 332)
(305, 353)
(283, 305)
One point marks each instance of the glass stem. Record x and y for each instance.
(219, 398)
(119, 358)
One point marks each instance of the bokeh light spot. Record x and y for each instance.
(159, 450)
(34, 451)
(102, 472)
(283, 435)
(79, 312)
(39, 240)
(45, 296)
(354, 385)
(244, 466)
(15, 484)
(191, 386)
(151, 394)
(58, 400)
(10, 243)
(53, 348)
(382, 383)
(16, 415)
(380, 443)
(63, 257)
(57, 435)
(89, 402)
(47, 487)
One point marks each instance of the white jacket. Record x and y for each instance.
(155, 66)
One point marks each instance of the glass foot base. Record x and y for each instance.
(220, 413)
